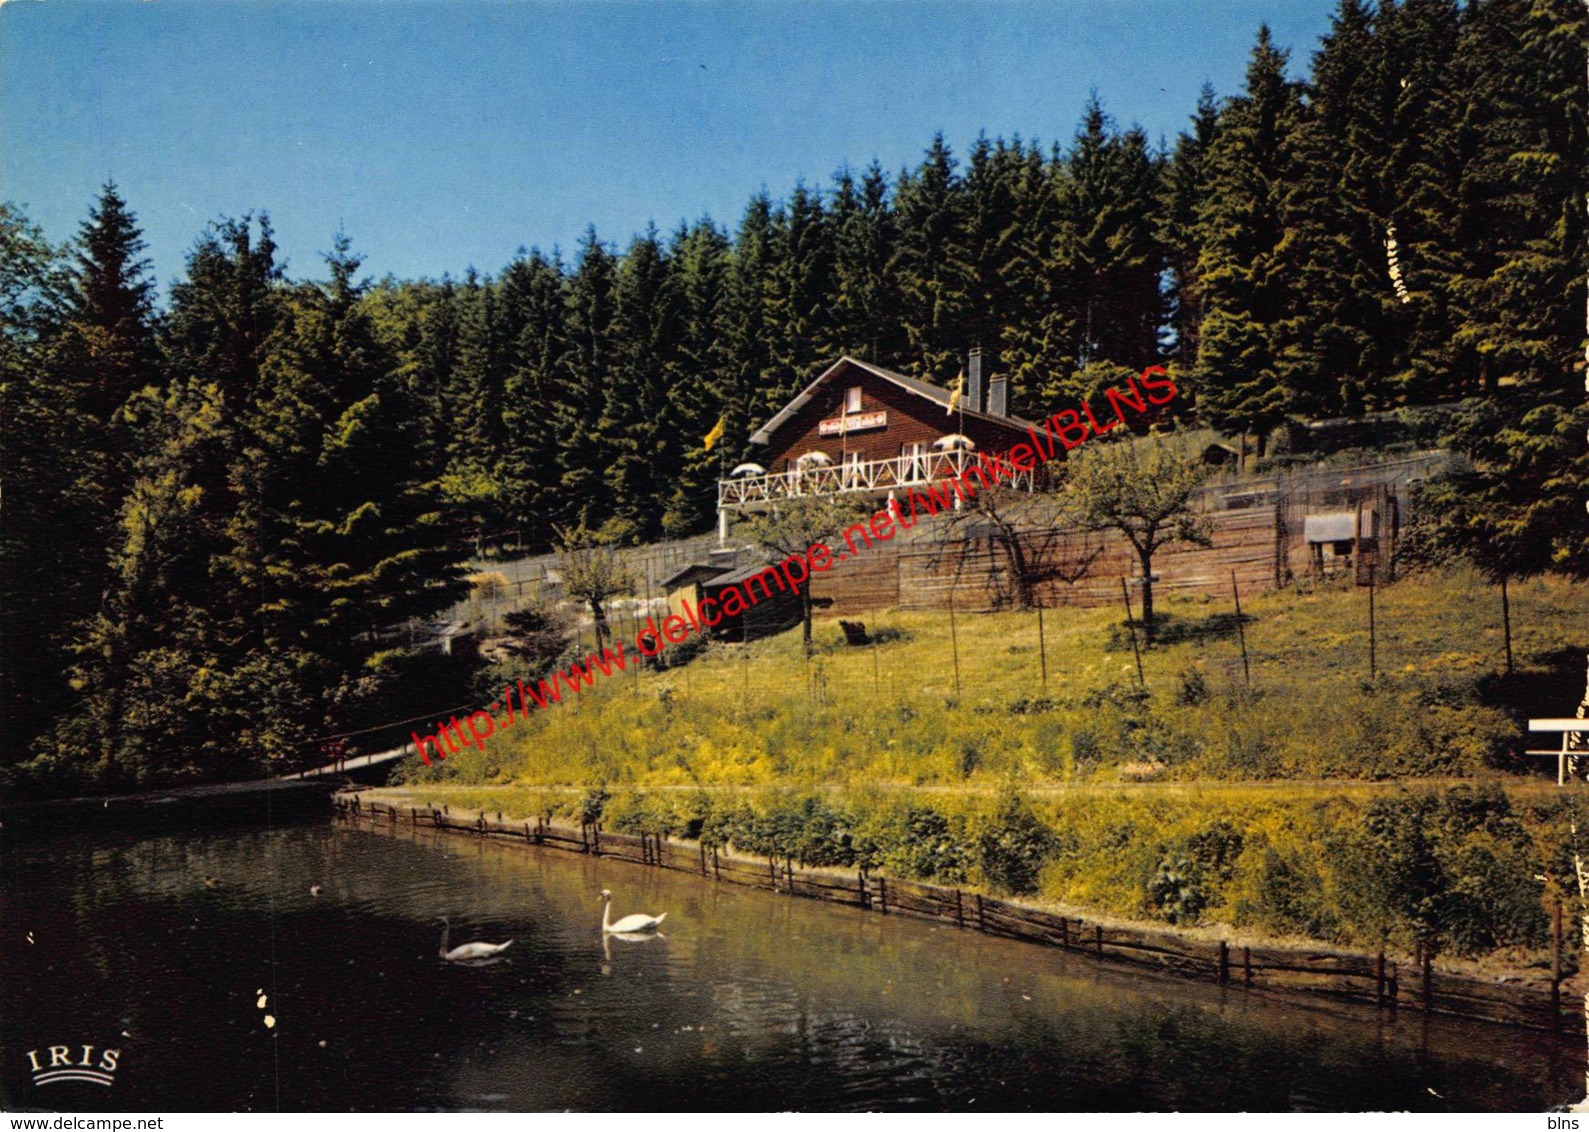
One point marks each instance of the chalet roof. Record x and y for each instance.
(934, 393)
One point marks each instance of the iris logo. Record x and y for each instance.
(63, 1068)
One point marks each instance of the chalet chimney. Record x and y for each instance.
(973, 392)
(998, 396)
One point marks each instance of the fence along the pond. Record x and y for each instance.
(1371, 980)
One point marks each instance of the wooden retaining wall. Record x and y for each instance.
(1257, 526)
(1377, 981)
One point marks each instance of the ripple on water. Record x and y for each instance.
(749, 1001)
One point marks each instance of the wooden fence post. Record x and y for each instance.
(1224, 962)
(1393, 985)
(1126, 594)
(1555, 968)
(882, 894)
(703, 858)
(1246, 966)
(717, 873)
(1379, 980)
(1241, 631)
(1097, 938)
(1042, 648)
(1428, 976)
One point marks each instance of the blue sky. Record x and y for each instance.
(445, 134)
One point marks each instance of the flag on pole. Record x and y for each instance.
(716, 434)
(954, 394)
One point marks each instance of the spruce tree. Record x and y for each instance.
(584, 372)
(1185, 185)
(930, 265)
(699, 255)
(48, 584)
(534, 295)
(1248, 309)
(866, 301)
(646, 447)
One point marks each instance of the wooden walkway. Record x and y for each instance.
(345, 767)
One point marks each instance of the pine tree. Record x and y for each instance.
(43, 476)
(1006, 192)
(534, 294)
(109, 335)
(1185, 186)
(476, 435)
(1248, 324)
(751, 384)
(1519, 291)
(701, 396)
(930, 266)
(584, 372)
(646, 446)
(866, 301)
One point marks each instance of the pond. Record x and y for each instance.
(747, 1001)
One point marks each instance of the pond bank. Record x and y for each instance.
(1381, 982)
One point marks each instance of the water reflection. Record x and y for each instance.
(749, 1001)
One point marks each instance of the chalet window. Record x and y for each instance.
(915, 459)
(852, 399)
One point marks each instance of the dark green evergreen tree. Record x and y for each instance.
(584, 372)
(1185, 186)
(930, 265)
(1249, 331)
(866, 302)
(47, 477)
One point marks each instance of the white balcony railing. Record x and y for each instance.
(869, 476)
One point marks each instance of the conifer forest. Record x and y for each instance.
(221, 500)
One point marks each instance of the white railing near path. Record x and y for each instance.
(1568, 728)
(857, 476)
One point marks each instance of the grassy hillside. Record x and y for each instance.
(1314, 801)
(759, 715)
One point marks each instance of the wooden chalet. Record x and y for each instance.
(862, 429)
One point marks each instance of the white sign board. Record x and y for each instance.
(855, 422)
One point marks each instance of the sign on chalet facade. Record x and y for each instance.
(862, 429)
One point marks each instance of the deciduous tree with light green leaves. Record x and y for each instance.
(592, 573)
(794, 526)
(1144, 489)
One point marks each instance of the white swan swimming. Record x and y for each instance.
(468, 952)
(635, 923)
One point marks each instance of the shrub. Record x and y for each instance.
(914, 840)
(1012, 845)
(1176, 891)
(1193, 688)
(593, 804)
